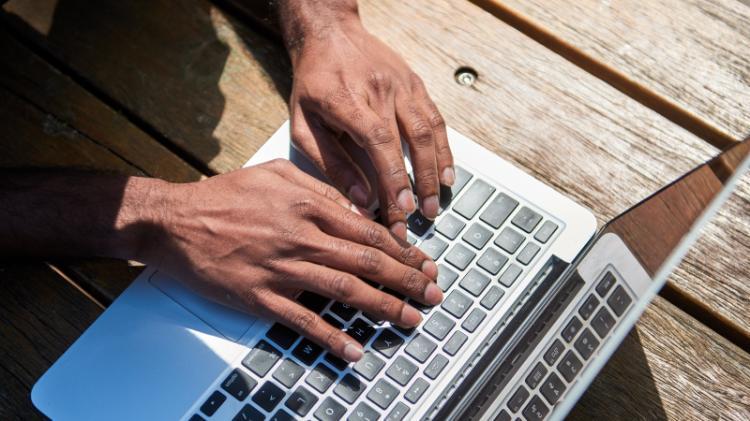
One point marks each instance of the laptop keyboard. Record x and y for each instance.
(484, 241)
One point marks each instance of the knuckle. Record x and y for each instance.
(409, 256)
(378, 81)
(386, 304)
(380, 135)
(436, 119)
(426, 176)
(375, 235)
(304, 207)
(397, 172)
(332, 338)
(416, 81)
(411, 282)
(421, 132)
(369, 261)
(340, 286)
(304, 321)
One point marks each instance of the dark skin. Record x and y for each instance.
(255, 238)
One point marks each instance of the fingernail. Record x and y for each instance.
(430, 207)
(449, 176)
(358, 195)
(352, 352)
(399, 228)
(406, 201)
(430, 269)
(410, 316)
(432, 294)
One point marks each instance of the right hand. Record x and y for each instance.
(254, 238)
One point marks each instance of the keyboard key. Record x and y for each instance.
(473, 320)
(387, 343)
(301, 401)
(460, 256)
(336, 361)
(602, 322)
(420, 348)
(261, 358)
(517, 399)
(586, 344)
(554, 352)
(249, 413)
(526, 219)
(197, 417)
(307, 351)
(492, 297)
(478, 236)
(454, 344)
(438, 325)
(433, 246)
(213, 403)
(373, 319)
(473, 199)
(571, 329)
(321, 378)
(446, 277)
(330, 410)
(407, 331)
(436, 366)
(268, 396)
(619, 300)
(345, 311)
(536, 375)
(450, 226)
(402, 370)
(498, 210)
(456, 304)
(282, 335)
(545, 232)
(510, 275)
(569, 366)
(448, 193)
(588, 307)
(288, 373)
(238, 384)
(369, 366)
(552, 389)
(474, 282)
(363, 412)
(605, 284)
(536, 410)
(527, 254)
(398, 412)
(281, 415)
(411, 239)
(349, 388)
(313, 301)
(418, 224)
(509, 240)
(424, 308)
(492, 261)
(360, 331)
(502, 416)
(333, 321)
(416, 390)
(382, 394)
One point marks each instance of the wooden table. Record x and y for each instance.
(605, 101)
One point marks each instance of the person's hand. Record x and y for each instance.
(254, 238)
(349, 86)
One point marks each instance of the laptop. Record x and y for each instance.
(536, 302)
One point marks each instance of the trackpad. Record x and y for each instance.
(229, 323)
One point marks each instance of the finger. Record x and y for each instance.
(444, 156)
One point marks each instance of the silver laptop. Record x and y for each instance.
(536, 301)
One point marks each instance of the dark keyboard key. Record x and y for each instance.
(433, 246)
(420, 348)
(407, 331)
(536, 410)
(456, 304)
(333, 321)
(349, 388)
(474, 282)
(526, 219)
(477, 194)
(424, 308)
(398, 412)
(536, 375)
(492, 297)
(373, 318)
(473, 320)
(438, 325)
(369, 366)
(281, 415)
(498, 210)
(478, 236)
(330, 410)
(288, 373)
(586, 344)
(460, 256)
(517, 399)
(554, 352)
(383, 393)
(569, 366)
(345, 311)
(448, 193)
(436, 366)
(282, 335)
(336, 361)
(571, 329)
(307, 351)
(502, 416)
(363, 412)
(545, 232)
(418, 224)
(510, 275)
(450, 226)
(313, 302)
(213, 403)
(401, 371)
(602, 322)
(552, 388)
(509, 240)
(196, 417)
(268, 396)
(588, 307)
(605, 284)
(249, 413)
(527, 253)
(321, 378)
(446, 277)
(261, 358)
(416, 390)
(387, 343)
(301, 401)
(492, 261)
(619, 300)
(454, 344)
(238, 384)
(360, 331)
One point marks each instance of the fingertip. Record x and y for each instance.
(432, 294)
(410, 316)
(399, 229)
(430, 207)
(430, 269)
(358, 195)
(405, 200)
(448, 176)
(353, 352)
